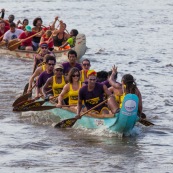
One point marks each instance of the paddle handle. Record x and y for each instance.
(24, 39)
(31, 36)
(94, 107)
(63, 106)
(65, 29)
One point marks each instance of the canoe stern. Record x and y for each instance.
(127, 117)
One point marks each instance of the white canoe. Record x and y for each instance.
(61, 56)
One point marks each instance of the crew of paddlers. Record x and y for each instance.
(70, 82)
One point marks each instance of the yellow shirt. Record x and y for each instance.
(120, 99)
(73, 95)
(44, 67)
(82, 76)
(57, 87)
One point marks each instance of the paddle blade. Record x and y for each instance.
(21, 99)
(36, 104)
(145, 122)
(13, 44)
(2, 43)
(66, 123)
(24, 103)
(43, 108)
(30, 106)
(25, 89)
(27, 108)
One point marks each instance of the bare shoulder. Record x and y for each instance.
(56, 32)
(67, 86)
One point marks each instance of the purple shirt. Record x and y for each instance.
(92, 98)
(67, 67)
(43, 78)
(106, 82)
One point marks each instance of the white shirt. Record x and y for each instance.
(12, 35)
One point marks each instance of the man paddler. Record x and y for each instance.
(50, 63)
(72, 57)
(57, 82)
(38, 58)
(93, 93)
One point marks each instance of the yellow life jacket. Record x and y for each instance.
(73, 95)
(82, 79)
(121, 98)
(44, 67)
(57, 87)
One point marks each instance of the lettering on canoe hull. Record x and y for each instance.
(130, 105)
(99, 122)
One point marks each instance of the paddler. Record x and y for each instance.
(12, 33)
(71, 88)
(3, 29)
(37, 72)
(128, 86)
(57, 82)
(72, 57)
(38, 58)
(93, 94)
(85, 67)
(50, 63)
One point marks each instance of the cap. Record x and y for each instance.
(43, 44)
(59, 66)
(28, 28)
(91, 72)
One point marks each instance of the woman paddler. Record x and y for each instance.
(128, 86)
(71, 88)
(37, 23)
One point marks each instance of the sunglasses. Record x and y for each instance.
(92, 79)
(75, 75)
(60, 70)
(51, 64)
(44, 47)
(86, 64)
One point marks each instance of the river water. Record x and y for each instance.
(134, 35)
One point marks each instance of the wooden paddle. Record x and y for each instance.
(2, 43)
(15, 43)
(145, 122)
(25, 89)
(23, 104)
(65, 29)
(31, 104)
(36, 107)
(22, 101)
(71, 121)
(23, 98)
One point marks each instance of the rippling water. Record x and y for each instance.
(134, 35)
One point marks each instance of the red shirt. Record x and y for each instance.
(7, 23)
(24, 36)
(6, 28)
(50, 44)
(21, 27)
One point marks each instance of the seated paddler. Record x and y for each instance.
(57, 82)
(128, 86)
(92, 94)
(71, 88)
